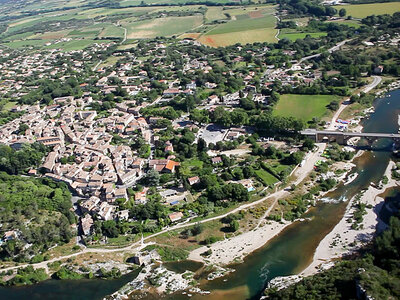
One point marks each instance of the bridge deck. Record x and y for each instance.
(351, 134)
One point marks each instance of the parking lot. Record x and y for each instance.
(212, 133)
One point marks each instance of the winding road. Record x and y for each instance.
(376, 80)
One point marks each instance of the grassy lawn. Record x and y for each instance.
(279, 168)
(266, 177)
(8, 106)
(304, 107)
(364, 10)
(301, 35)
(190, 164)
(110, 61)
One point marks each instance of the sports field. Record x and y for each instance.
(304, 107)
(364, 10)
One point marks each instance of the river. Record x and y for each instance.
(288, 253)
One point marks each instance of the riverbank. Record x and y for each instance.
(343, 240)
(236, 248)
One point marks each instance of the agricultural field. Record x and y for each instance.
(351, 23)
(25, 43)
(246, 26)
(112, 31)
(213, 26)
(300, 35)
(163, 27)
(215, 13)
(304, 107)
(364, 10)
(73, 45)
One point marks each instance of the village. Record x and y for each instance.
(83, 154)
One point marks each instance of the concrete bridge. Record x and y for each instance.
(321, 136)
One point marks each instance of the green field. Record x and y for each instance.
(244, 25)
(242, 30)
(25, 43)
(215, 13)
(351, 23)
(73, 45)
(266, 177)
(301, 35)
(304, 107)
(364, 10)
(112, 31)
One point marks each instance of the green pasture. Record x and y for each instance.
(304, 107)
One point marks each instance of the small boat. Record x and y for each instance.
(351, 178)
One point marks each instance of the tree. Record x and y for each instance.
(342, 12)
(109, 228)
(201, 145)
(153, 178)
(234, 225)
(22, 128)
(308, 144)
(197, 229)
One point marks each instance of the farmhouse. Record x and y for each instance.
(175, 216)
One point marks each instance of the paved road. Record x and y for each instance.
(376, 80)
(97, 65)
(333, 49)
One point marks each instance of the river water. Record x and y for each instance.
(288, 253)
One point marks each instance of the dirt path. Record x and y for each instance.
(300, 173)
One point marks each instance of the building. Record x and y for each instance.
(216, 160)
(193, 180)
(87, 224)
(175, 216)
(378, 70)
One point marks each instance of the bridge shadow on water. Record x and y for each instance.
(374, 148)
